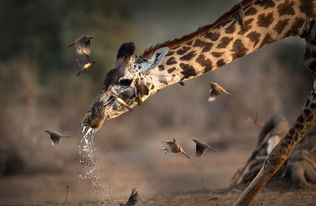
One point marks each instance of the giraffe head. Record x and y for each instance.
(124, 87)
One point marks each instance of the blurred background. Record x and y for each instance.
(39, 90)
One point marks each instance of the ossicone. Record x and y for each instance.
(126, 50)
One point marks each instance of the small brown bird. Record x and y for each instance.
(82, 45)
(84, 62)
(55, 137)
(215, 91)
(201, 147)
(174, 147)
(132, 200)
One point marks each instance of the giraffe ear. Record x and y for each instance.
(154, 61)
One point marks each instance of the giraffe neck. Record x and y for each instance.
(249, 26)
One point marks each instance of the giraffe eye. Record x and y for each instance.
(125, 82)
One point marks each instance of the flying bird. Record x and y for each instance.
(55, 137)
(82, 46)
(132, 200)
(215, 91)
(84, 62)
(201, 147)
(174, 147)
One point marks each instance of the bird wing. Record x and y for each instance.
(214, 91)
(133, 198)
(210, 148)
(199, 149)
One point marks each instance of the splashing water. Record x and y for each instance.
(87, 157)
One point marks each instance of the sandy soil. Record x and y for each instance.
(160, 179)
(274, 194)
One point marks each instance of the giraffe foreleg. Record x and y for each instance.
(282, 150)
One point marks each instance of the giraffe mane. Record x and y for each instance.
(186, 38)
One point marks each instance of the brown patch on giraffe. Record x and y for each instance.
(239, 49)
(205, 62)
(171, 69)
(169, 53)
(250, 11)
(246, 27)
(188, 56)
(306, 112)
(171, 61)
(265, 3)
(183, 50)
(286, 8)
(266, 40)
(300, 119)
(299, 126)
(189, 43)
(187, 71)
(264, 20)
(212, 36)
(310, 118)
(298, 23)
(161, 67)
(152, 87)
(205, 45)
(217, 54)
(307, 7)
(220, 63)
(281, 25)
(231, 28)
(254, 37)
(224, 42)
(291, 131)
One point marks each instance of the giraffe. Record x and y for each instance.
(248, 26)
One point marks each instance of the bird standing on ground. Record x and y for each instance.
(82, 46)
(174, 147)
(215, 91)
(55, 137)
(132, 200)
(201, 147)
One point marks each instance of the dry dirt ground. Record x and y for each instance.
(161, 180)
(274, 194)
